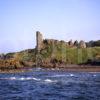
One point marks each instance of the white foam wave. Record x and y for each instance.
(21, 78)
(71, 74)
(36, 79)
(63, 75)
(12, 78)
(94, 75)
(49, 81)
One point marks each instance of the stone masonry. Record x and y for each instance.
(39, 41)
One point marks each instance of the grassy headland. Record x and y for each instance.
(54, 54)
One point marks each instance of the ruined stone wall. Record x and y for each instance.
(70, 44)
(82, 44)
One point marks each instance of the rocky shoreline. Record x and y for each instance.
(71, 68)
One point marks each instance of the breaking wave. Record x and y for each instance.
(62, 75)
(50, 81)
(21, 78)
(29, 78)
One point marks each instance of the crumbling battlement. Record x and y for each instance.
(40, 42)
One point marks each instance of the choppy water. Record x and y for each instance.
(50, 85)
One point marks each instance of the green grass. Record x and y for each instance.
(60, 52)
(70, 55)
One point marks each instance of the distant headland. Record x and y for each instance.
(54, 54)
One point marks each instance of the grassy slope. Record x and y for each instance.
(61, 52)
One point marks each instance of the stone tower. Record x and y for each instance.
(39, 40)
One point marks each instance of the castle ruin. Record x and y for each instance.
(39, 41)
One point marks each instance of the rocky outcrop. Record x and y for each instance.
(10, 64)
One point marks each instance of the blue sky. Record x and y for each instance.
(58, 19)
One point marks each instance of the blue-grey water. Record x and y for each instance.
(50, 85)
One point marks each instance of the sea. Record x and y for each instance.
(41, 84)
